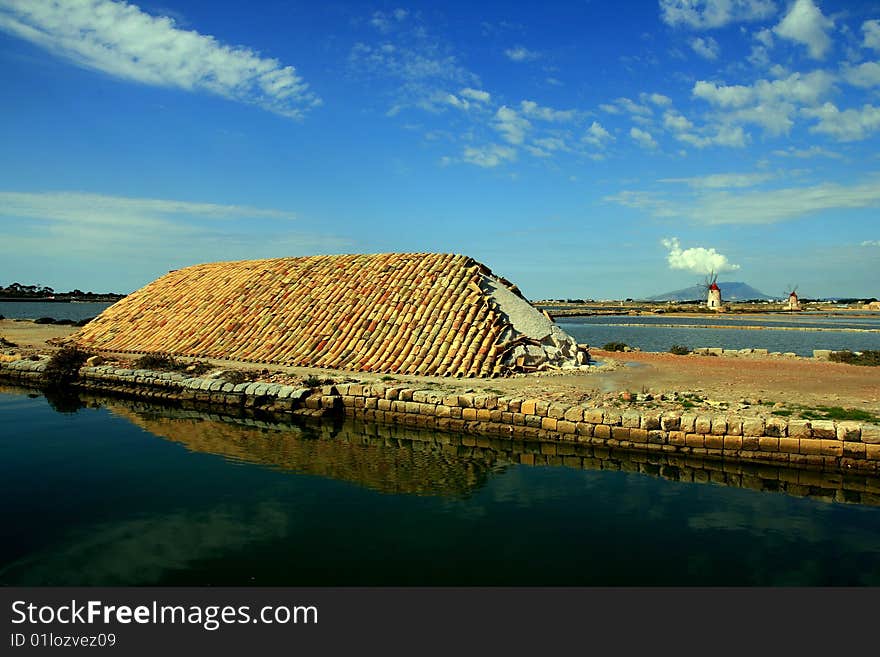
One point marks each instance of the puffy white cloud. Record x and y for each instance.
(702, 14)
(121, 40)
(626, 105)
(597, 135)
(476, 94)
(871, 30)
(864, 75)
(489, 156)
(642, 138)
(848, 125)
(657, 99)
(455, 101)
(511, 125)
(534, 111)
(769, 104)
(707, 48)
(697, 259)
(805, 24)
(520, 54)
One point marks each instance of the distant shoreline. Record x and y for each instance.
(45, 300)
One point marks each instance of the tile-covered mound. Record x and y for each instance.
(428, 314)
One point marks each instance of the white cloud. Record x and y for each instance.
(597, 135)
(722, 180)
(455, 101)
(476, 94)
(534, 111)
(805, 24)
(872, 34)
(489, 156)
(657, 99)
(764, 37)
(714, 206)
(707, 48)
(812, 151)
(642, 138)
(864, 75)
(626, 105)
(520, 54)
(764, 207)
(871, 243)
(697, 259)
(511, 125)
(848, 125)
(702, 14)
(711, 135)
(769, 104)
(121, 40)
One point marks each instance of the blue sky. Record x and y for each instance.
(580, 149)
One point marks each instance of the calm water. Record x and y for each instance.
(650, 333)
(37, 309)
(119, 493)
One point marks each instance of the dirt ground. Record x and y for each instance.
(739, 381)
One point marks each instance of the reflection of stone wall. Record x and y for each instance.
(377, 460)
(410, 460)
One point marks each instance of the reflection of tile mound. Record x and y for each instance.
(392, 466)
(431, 314)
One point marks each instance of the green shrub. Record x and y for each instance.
(44, 320)
(869, 358)
(237, 376)
(313, 381)
(65, 322)
(679, 350)
(615, 346)
(63, 366)
(85, 321)
(156, 362)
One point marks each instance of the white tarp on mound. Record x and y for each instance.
(539, 342)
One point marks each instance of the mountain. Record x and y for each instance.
(729, 292)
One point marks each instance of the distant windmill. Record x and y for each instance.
(793, 303)
(713, 292)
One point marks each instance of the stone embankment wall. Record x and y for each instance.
(825, 444)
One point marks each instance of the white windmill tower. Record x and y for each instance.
(793, 303)
(713, 292)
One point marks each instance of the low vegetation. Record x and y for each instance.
(63, 366)
(165, 363)
(869, 358)
(679, 350)
(313, 381)
(615, 346)
(6, 343)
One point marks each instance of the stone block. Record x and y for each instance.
(776, 427)
(585, 429)
(753, 426)
(611, 418)
(602, 431)
(533, 421)
(631, 419)
(670, 422)
(564, 426)
(800, 429)
(719, 426)
(789, 445)
(528, 406)
(732, 443)
(872, 452)
(687, 422)
(549, 423)
(556, 411)
(703, 424)
(871, 434)
(677, 438)
(638, 435)
(541, 408)
(574, 414)
(830, 447)
(714, 442)
(695, 440)
(768, 444)
(824, 429)
(849, 431)
(593, 415)
(620, 433)
(469, 414)
(650, 421)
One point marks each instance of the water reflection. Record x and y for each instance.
(95, 498)
(395, 459)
